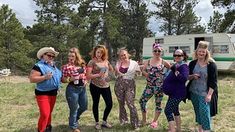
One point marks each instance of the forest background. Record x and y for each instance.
(63, 24)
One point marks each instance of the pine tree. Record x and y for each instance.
(228, 23)
(14, 48)
(178, 17)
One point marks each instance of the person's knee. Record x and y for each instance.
(167, 111)
(83, 108)
(110, 105)
(45, 115)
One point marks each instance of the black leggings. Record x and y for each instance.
(106, 94)
(172, 107)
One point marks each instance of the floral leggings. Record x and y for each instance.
(125, 92)
(148, 93)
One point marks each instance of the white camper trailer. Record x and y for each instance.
(222, 47)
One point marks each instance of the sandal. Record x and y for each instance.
(97, 126)
(154, 125)
(106, 125)
(123, 123)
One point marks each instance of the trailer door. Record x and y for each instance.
(196, 41)
(208, 39)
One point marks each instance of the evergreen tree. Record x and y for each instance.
(52, 28)
(228, 23)
(178, 17)
(135, 23)
(14, 48)
(215, 22)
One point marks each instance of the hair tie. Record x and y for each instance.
(156, 45)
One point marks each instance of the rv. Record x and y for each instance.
(221, 47)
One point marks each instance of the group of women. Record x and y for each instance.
(201, 89)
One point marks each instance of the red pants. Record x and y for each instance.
(46, 104)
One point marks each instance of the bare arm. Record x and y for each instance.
(144, 69)
(35, 77)
(209, 95)
(89, 74)
(166, 64)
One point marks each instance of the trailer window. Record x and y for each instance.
(185, 48)
(173, 48)
(160, 41)
(222, 49)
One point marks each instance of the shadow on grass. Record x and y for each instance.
(90, 128)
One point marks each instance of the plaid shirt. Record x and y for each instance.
(70, 70)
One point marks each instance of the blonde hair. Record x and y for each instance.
(103, 50)
(204, 45)
(123, 49)
(79, 61)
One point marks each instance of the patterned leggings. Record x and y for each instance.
(172, 107)
(125, 92)
(202, 111)
(148, 93)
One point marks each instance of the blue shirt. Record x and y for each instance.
(54, 82)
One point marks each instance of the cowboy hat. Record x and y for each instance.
(45, 50)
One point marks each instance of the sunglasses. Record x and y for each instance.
(157, 51)
(177, 55)
(50, 56)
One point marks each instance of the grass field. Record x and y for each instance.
(19, 112)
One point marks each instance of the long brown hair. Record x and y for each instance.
(79, 61)
(103, 50)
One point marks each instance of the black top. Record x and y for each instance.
(37, 92)
(211, 82)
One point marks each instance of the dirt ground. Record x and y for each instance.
(13, 79)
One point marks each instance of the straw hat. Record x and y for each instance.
(45, 50)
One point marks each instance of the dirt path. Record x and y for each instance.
(14, 79)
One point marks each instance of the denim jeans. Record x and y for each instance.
(77, 100)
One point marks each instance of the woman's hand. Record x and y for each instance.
(209, 95)
(48, 76)
(194, 77)
(208, 98)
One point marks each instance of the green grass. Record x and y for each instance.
(19, 112)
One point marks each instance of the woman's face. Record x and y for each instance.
(157, 52)
(201, 53)
(178, 56)
(99, 53)
(71, 57)
(49, 57)
(123, 55)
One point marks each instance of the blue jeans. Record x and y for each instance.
(77, 100)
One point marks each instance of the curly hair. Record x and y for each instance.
(104, 52)
(79, 61)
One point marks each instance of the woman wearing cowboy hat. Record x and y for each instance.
(47, 78)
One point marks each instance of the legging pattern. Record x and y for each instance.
(148, 93)
(202, 111)
(125, 92)
(172, 107)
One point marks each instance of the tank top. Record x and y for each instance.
(123, 70)
(155, 74)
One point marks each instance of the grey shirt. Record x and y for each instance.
(199, 86)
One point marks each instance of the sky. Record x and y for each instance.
(24, 10)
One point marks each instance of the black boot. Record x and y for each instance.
(48, 128)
